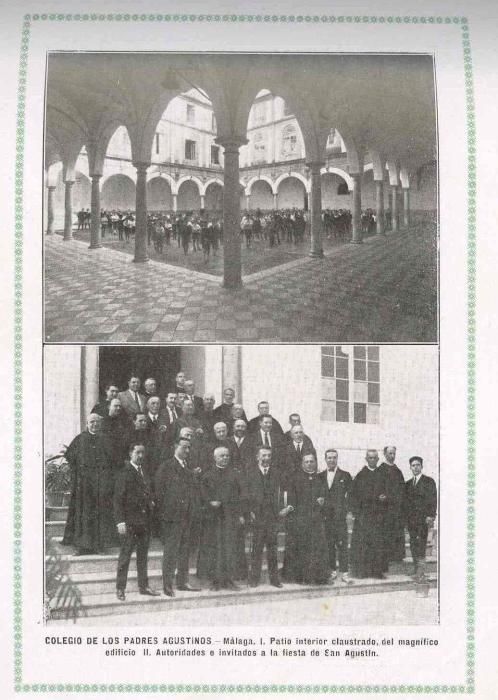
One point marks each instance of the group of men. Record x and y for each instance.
(212, 484)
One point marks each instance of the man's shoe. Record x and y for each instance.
(169, 591)
(231, 586)
(186, 587)
(276, 584)
(148, 591)
(120, 595)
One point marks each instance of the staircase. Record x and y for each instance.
(85, 586)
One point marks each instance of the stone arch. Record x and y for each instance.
(212, 181)
(332, 197)
(118, 192)
(187, 178)
(294, 175)
(159, 193)
(261, 192)
(292, 191)
(260, 178)
(214, 195)
(341, 174)
(189, 194)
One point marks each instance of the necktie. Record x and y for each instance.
(298, 448)
(267, 441)
(414, 481)
(265, 471)
(140, 473)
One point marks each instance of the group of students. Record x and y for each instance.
(219, 489)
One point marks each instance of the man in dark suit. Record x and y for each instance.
(196, 400)
(180, 383)
(171, 411)
(241, 447)
(132, 400)
(294, 419)
(263, 494)
(420, 508)
(102, 407)
(337, 483)
(208, 418)
(133, 506)
(264, 410)
(150, 388)
(176, 499)
(297, 445)
(223, 412)
(187, 419)
(267, 436)
(395, 527)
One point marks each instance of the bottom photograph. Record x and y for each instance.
(253, 484)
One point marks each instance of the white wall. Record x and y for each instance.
(62, 392)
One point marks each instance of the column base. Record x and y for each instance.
(68, 238)
(92, 246)
(232, 284)
(316, 254)
(141, 258)
(357, 241)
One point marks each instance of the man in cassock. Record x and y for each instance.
(116, 427)
(222, 492)
(102, 407)
(307, 560)
(395, 527)
(420, 513)
(367, 500)
(90, 526)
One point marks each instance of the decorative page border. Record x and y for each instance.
(459, 23)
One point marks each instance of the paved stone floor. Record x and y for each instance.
(381, 291)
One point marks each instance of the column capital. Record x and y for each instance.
(51, 188)
(141, 167)
(95, 176)
(232, 142)
(69, 183)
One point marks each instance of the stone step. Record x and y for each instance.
(105, 603)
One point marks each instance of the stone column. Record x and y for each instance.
(50, 210)
(141, 214)
(379, 192)
(357, 233)
(248, 201)
(275, 200)
(95, 232)
(68, 210)
(406, 207)
(89, 380)
(203, 201)
(232, 270)
(394, 207)
(175, 202)
(231, 369)
(316, 210)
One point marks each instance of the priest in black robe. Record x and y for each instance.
(223, 497)
(395, 526)
(307, 557)
(90, 526)
(368, 501)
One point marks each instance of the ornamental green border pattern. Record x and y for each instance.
(460, 23)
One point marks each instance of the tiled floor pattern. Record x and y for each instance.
(381, 291)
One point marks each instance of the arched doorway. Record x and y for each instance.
(189, 198)
(159, 197)
(261, 195)
(291, 193)
(118, 192)
(335, 192)
(214, 197)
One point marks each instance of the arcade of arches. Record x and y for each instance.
(385, 148)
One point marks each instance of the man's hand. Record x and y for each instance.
(286, 511)
(163, 428)
(215, 504)
(382, 497)
(429, 521)
(197, 470)
(320, 500)
(122, 528)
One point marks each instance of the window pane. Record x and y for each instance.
(360, 413)
(373, 372)
(328, 350)
(328, 389)
(342, 390)
(373, 393)
(360, 370)
(328, 410)
(373, 352)
(373, 414)
(360, 392)
(342, 411)
(339, 352)
(342, 368)
(327, 366)
(360, 352)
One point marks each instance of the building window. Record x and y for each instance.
(190, 150)
(157, 144)
(213, 124)
(286, 111)
(289, 142)
(259, 113)
(259, 148)
(190, 114)
(342, 188)
(215, 155)
(351, 384)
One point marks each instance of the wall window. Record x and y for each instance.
(213, 124)
(215, 155)
(190, 149)
(289, 142)
(286, 110)
(157, 144)
(259, 148)
(259, 113)
(351, 383)
(190, 114)
(342, 188)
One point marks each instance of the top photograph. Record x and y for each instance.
(240, 197)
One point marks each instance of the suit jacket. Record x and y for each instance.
(421, 500)
(244, 456)
(336, 505)
(101, 408)
(129, 404)
(174, 489)
(132, 498)
(223, 412)
(277, 446)
(185, 422)
(253, 426)
(198, 406)
(255, 490)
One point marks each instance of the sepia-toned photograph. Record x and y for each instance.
(229, 197)
(296, 485)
